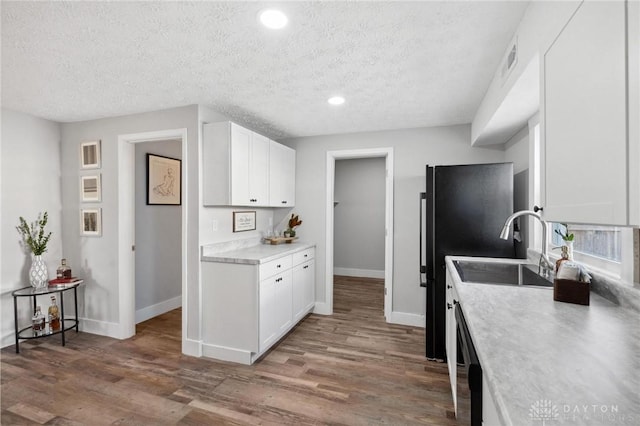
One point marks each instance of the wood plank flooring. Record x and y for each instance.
(350, 368)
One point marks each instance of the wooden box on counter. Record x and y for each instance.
(571, 291)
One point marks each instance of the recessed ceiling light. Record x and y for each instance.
(336, 100)
(273, 19)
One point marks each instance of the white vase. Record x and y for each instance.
(38, 273)
(569, 245)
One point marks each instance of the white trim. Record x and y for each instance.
(227, 354)
(102, 328)
(353, 272)
(322, 308)
(405, 318)
(126, 225)
(191, 347)
(332, 156)
(158, 309)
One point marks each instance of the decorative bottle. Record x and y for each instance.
(54, 315)
(564, 256)
(63, 270)
(38, 321)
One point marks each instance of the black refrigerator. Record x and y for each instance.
(462, 213)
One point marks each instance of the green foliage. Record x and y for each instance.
(33, 235)
(566, 236)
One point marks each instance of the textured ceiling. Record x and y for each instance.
(398, 64)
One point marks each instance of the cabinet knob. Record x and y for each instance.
(449, 306)
(278, 266)
(455, 302)
(306, 255)
(283, 202)
(449, 286)
(305, 266)
(537, 209)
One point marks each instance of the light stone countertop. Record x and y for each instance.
(252, 255)
(583, 360)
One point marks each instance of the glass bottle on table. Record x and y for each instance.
(54, 315)
(63, 271)
(38, 322)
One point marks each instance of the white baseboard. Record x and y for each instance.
(192, 347)
(102, 328)
(405, 318)
(158, 309)
(352, 272)
(8, 340)
(226, 354)
(322, 308)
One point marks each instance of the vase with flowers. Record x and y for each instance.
(567, 240)
(35, 239)
(293, 222)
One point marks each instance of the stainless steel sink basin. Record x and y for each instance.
(500, 273)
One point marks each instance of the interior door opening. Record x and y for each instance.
(359, 230)
(387, 155)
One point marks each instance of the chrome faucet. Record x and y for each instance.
(544, 264)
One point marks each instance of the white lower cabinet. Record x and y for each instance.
(451, 336)
(247, 308)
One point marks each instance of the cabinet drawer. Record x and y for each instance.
(303, 256)
(275, 267)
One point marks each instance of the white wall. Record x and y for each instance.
(517, 150)
(541, 23)
(413, 149)
(158, 236)
(30, 183)
(97, 258)
(359, 217)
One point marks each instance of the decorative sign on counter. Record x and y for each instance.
(244, 221)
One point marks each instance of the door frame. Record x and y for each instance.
(332, 156)
(126, 225)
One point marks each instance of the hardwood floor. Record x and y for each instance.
(350, 368)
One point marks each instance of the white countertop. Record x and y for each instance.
(583, 360)
(253, 255)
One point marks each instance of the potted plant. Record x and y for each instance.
(293, 222)
(35, 240)
(567, 238)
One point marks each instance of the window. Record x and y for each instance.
(600, 241)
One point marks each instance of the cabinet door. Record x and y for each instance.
(268, 328)
(282, 175)
(303, 289)
(284, 302)
(240, 154)
(584, 118)
(451, 335)
(259, 170)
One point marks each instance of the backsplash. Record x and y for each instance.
(224, 246)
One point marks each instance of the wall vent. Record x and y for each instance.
(510, 60)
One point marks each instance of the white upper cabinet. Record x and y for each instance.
(237, 168)
(588, 118)
(282, 186)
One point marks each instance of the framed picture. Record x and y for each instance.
(90, 191)
(164, 180)
(90, 155)
(244, 221)
(91, 222)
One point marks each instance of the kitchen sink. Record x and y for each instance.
(524, 274)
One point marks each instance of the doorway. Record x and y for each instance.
(332, 156)
(126, 225)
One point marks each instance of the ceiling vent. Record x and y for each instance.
(510, 60)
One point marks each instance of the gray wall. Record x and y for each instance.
(359, 217)
(413, 149)
(98, 257)
(30, 184)
(158, 236)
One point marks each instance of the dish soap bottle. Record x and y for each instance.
(54, 315)
(564, 256)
